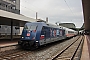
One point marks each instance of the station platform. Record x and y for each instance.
(86, 48)
(8, 42)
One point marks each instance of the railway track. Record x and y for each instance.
(13, 54)
(71, 52)
(9, 47)
(43, 53)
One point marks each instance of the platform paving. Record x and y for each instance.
(85, 52)
(4, 43)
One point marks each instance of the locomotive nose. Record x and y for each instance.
(30, 35)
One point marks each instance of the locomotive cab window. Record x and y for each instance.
(33, 27)
(30, 27)
(25, 27)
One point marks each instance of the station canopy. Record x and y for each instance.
(7, 17)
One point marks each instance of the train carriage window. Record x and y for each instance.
(57, 32)
(51, 32)
(63, 32)
(70, 32)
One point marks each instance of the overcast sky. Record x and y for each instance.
(62, 11)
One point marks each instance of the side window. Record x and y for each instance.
(43, 28)
(54, 32)
(57, 32)
(25, 27)
(51, 32)
(45, 31)
(64, 32)
(61, 32)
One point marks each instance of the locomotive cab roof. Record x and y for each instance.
(45, 24)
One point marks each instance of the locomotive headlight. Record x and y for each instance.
(36, 41)
(22, 37)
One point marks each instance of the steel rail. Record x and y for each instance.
(64, 49)
(76, 50)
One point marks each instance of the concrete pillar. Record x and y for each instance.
(18, 5)
(46, 19)
(86, 11)
(11, 29)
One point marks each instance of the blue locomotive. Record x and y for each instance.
(39, 33)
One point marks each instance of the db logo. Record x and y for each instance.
(28, 34)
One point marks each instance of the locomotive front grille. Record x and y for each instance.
(28, 43)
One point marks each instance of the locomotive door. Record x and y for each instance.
(46, 33)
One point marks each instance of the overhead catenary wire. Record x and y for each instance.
(69, 7)
(65, 2)
(27, 8)
(32, 7)
(36, 12)
(36, 7)
(29, 4)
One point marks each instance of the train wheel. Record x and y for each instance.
(36, 45)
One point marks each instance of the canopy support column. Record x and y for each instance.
(11, 30)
